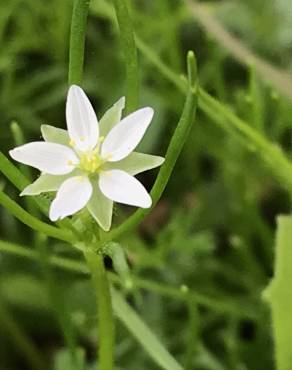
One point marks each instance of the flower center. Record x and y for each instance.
(90, 162)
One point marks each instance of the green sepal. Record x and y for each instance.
(111, 117)
(46, 183)
(100, 207)
(55, 135)
(136, 163)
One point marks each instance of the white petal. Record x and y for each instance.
(111, 117)
(45, 183)
(136, 163)
(100, 207)
(55, 135)
(71, 197)
(81, 120)
(126, 135)
(55, 159)
(124, 188)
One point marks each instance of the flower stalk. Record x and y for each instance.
(106, 334)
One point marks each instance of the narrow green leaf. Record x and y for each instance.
(130, 54)
(143, 334)
(77, 41)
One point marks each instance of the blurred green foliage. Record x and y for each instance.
(212, 232)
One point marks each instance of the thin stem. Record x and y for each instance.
(130, 54)
(23, 343)
(176, 144)
(77, 41)
(105, 311)
(33, 222)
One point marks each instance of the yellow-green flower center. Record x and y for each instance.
(90, 162)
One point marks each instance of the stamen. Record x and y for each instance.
(106, 173)
(91, 162)
(72, 142)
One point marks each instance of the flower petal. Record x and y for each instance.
(71, 197)
(124, 188)
(81, 119)
(55, 159)
(45, 183)
(55, 135)
(136, 163)
(126, 135)
(100, 207)
(111, 117)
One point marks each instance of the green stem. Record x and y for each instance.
(130, 54)
(106, 327)
(77, 41)
(279, 296)
(23, 343)
(33, 222)
(176, 144)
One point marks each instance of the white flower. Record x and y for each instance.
(93, 164)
